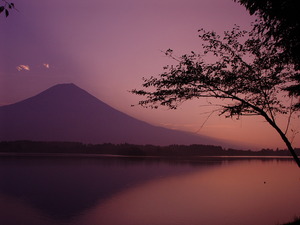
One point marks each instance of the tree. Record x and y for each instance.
(280, 22)
(248, 77)
(6, 6)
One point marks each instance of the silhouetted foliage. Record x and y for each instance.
(243, 71)
(280, 24)
(296, 221)
(70, 148)
(5, 7)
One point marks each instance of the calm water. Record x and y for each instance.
(124, 191)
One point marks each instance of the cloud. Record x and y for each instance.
(46, 65)
(23, 67)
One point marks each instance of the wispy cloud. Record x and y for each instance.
(23, 67)
(46, 65)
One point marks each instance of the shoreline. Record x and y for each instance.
(91, 155)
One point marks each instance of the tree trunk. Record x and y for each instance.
(289, 145)
(284, 138)
(274, 125)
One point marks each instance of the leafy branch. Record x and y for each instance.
(245, 72)
(6, 6)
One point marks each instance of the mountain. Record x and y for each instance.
(65, 112)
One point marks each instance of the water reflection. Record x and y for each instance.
(64, 187)
(244, 193)
(131, 191)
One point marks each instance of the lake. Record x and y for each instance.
(60, 190)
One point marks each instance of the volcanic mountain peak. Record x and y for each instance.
(66, 112)
(61, 93)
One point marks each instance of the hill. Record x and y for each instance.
(66, 112)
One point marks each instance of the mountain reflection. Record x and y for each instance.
(132, 191)
(64, 187)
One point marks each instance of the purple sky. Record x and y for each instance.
(107, 46)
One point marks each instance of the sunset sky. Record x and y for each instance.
(107, 46)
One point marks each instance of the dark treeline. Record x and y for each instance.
(131, 150)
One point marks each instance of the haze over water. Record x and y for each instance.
(113, 191)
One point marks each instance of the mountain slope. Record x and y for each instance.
(67, 113)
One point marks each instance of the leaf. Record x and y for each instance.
(1, 9)
(6, 13)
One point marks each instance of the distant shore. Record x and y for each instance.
(3, 154)
(76, 149)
